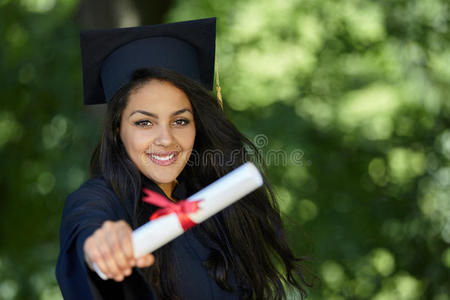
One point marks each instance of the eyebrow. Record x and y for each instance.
(178, 112)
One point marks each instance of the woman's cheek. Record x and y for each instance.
(143, 140)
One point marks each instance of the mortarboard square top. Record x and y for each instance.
(109, 57)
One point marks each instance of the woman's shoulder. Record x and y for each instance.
(95, 188)
(96, 197)
(95, 184)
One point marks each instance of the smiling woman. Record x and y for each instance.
(159, 114)
(158, 131)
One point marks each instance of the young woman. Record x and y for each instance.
(160, 126)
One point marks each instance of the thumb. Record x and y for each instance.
(145, 261)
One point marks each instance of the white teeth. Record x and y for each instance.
(163, 158)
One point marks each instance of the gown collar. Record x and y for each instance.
(144, 210)
(179, 192)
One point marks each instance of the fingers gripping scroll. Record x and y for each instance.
(109, 251)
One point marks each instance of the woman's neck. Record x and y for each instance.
(167, 188)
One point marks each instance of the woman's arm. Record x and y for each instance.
(85, 211)
(110, 248)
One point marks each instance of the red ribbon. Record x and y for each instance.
(182, 208)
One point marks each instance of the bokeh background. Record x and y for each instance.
(359, 87)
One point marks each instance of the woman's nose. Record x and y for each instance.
(164, 137)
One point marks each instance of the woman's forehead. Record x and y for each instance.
(158, 97)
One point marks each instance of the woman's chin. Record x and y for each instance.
(162, 177)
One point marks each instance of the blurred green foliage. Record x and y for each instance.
(358, 88)
(46, 137)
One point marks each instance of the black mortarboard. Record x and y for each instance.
(109, 57)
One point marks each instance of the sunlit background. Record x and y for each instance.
(358, 87)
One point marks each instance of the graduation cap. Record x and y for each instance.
(110, 57)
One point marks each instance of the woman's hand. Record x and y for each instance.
(110, 248)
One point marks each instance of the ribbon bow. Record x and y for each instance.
(182, 208)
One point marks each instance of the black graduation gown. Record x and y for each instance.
(85, 210)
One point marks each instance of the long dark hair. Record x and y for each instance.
(247, 238)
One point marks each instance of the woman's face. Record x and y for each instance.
(158, 130)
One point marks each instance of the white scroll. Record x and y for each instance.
(214, 198)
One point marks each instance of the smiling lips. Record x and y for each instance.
(163, 158)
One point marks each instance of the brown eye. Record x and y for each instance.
(143, 123)
(181, 122)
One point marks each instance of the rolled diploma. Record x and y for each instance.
(215, 197)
